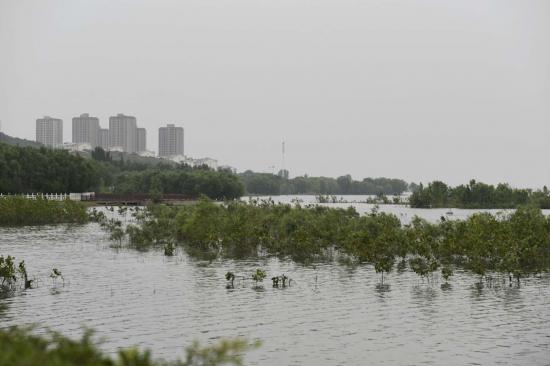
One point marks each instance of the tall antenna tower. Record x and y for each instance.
(283, 157)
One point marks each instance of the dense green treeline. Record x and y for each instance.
(16, 211)
(515, 245)
(270, 184)
(21, 347)
(27, 169)
(219, 184)
(477, 195)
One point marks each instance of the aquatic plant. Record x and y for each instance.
(259, 275)
(55, 274)
(22, 269)
(515, 244)
(281, 280)
(230, 277)
(169, 249)
(9, 274)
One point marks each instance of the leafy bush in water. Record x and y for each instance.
(516, 244)
(21, 211)
(9, 274)
(19, 347)
(477, 195)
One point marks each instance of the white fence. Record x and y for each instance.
(86, 196)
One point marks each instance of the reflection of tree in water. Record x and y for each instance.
(425, 299)
(3, 308)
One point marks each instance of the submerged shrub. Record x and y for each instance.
(9, 274)
(517, 244)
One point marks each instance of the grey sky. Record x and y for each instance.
(420, 90)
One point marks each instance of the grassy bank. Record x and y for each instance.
(16, 211)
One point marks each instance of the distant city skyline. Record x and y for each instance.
(418, 90)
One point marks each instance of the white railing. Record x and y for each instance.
(86, 196)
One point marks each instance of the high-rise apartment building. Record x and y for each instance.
(141, 139)
(49, 132)
(123, 133)
(86, 130)
(170, 140)
(103, 139)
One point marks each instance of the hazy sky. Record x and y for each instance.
(419, 90)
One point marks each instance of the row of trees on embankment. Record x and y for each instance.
(477, 195)
(515, 245)
(271, 184)
(28, 169)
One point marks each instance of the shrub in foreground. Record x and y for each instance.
(20, 347)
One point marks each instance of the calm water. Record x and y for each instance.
(342, 318)
(404, 213)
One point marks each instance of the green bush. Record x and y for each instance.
(20, 347)
(16, 210)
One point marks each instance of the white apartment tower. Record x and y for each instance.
(49, 132)
(103, 139)
(141, 139)
(86, 130)
(170, 141)
(123, 133)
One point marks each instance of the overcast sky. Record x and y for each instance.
(419, 90)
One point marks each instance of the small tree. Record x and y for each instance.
(259, 275)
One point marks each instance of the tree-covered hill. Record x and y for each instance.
(9, 140)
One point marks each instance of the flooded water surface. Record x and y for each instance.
(333, 314)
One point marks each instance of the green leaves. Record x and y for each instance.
(517, 243)
(259, 275)
(9, 274)
(15, 211)
(20, 347)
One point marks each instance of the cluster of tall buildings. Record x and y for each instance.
(123, 134)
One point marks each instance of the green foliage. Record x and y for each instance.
(270, 184)
(9, 274)
(101, 155)
(517, 244)
(220, 185)
(16, 210)
(28, 169)
(446, 273)
(169, 249)
(477, 195)
(259, 275)
(20, 347)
